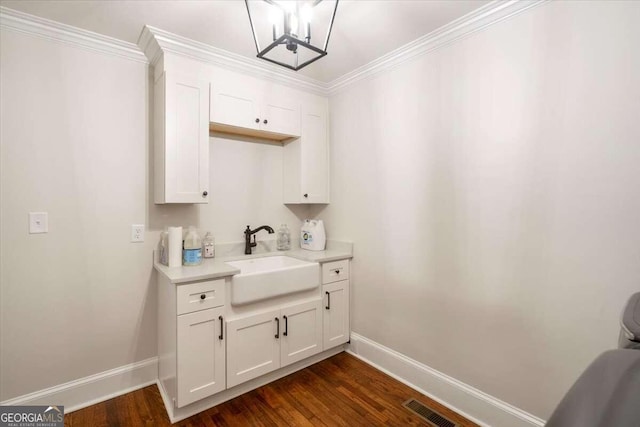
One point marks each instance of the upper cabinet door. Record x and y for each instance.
(306, 159)
(243, 105)
(314, 159)
(235, 101)
(280, 110)
(182, 139)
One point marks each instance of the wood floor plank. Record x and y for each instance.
(339, 391)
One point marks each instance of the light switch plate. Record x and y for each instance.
(137, 233)
(38, 222)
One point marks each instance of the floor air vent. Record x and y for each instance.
(429, 415)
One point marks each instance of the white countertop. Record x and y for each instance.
(214, 268)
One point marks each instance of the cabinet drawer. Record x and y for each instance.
(335, 271)
(200, 296)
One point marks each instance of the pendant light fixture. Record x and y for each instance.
(285, 27)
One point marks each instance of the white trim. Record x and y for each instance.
(466, 400)
(153, 40)
(55, 31)
(93, 389)
(492, 13)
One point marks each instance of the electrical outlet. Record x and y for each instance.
(137, 233)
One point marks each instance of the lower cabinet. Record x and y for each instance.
(191, 340)
(336, 314)
(264, 342)
(201, 355)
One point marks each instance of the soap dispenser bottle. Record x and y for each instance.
(283, 238)
(208, 246)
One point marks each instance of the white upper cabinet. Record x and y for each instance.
(306, 159)
(280, 110)
(192, 99)
(235, 101)
(246, 106)
(181, 139)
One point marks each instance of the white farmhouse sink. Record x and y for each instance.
(267, 277)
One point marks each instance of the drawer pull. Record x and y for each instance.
(328, 306)
(337, 271)
(221, 336)
(277, 328)
(286, 325)
(203, 296)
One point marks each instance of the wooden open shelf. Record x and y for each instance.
(254, 133)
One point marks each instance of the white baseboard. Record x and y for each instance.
(466, 400)
(93, 389)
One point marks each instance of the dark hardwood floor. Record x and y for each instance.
(339, 391)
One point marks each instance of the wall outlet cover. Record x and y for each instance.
(137, 233)
(38, 222)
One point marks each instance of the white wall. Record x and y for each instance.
(78, 300)
(491, 190)
(75, 143)
(246, 189)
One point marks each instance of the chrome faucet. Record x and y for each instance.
(248, 244)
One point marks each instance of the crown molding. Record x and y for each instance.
(55, 31)
(464, 26)
(154, 41)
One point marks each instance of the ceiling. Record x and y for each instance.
(363, 30)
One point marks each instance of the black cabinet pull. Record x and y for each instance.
(305, 195)
(286, 325)
(221, 336)
(277, 328)
(205, 193)
(203, 296)
(257, 120)
(265, 121)
(337, 271)
(328, 307)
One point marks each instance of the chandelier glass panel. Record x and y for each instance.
(291, 33)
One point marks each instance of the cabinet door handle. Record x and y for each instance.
(221, 336)
(265, 121)
(305, 195)
(203, 296)
(257, 120)
(277, 328)
(205, 193)
(328, 307)
(286, 325)
(337, 271)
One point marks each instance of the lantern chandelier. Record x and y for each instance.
(286, 26)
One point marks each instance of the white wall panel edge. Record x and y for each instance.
(95, 388)
(466, 400)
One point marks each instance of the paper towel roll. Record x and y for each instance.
(175, 246)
